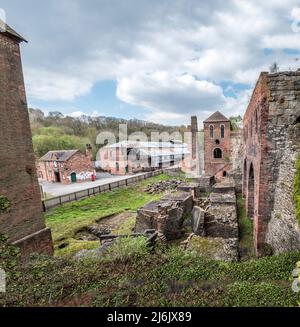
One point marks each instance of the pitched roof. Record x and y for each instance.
(216, 117)
(8, 30)
(60, 155)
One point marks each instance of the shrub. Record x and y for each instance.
(4, 204)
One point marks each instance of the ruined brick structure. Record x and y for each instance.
(21, 217)
(271, 135)
(67, 166)
(217, 146)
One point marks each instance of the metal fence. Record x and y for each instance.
(59, 200)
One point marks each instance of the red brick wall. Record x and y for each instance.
(79, 163)
(18, 179)
(257, 149)
(214, 166)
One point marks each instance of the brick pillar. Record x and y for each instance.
(22, 220)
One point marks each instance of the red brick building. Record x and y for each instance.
(272, 139)
(217, 149)
(21, 216)
(67, 166)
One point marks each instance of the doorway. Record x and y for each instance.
(73, 178)
(57, 177)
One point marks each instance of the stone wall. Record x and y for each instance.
(236, 149)
(18, 179)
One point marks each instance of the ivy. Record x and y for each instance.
(4, 204)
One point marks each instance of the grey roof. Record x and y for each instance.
(60, 155)
(216, 117)
(8, 30)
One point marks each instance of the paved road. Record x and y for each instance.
(56, 189)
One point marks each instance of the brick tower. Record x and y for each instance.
(217, 145)
(21, 216)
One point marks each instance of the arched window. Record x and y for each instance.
(211, 131)
(222, 131)
(217, 153)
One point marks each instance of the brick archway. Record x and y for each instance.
(250, 187)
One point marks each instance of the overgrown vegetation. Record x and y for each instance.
(66, 220)
(4, 204)
(297, 189)
(245, 229)
(166, 277)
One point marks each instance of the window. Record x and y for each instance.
(217, 142)
(217, 153)
(224, 173)
(211, 131)
(117, 166)
(222, 131)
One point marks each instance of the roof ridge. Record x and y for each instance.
(216, 116)
(10, 31)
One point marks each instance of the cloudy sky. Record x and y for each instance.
(158, 60)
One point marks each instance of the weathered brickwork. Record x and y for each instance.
(18, 179)
(214, 141)
(271, 135)
(77, 168)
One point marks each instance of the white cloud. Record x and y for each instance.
(45, 85)
(167, 56)
(176, 94)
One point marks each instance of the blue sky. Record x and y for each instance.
(161, 61)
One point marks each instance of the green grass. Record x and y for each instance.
(133, 276)
(67, 219)
(297, 189)
(245, 228)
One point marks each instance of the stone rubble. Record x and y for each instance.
(162, 186)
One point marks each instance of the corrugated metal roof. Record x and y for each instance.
(10, 31)
(216, 117)
(138, 144)
(60, 155)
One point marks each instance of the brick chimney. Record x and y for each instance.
(89, 151)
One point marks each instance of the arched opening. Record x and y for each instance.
(224, 173)
(217, 142)
(222, 131)
(211, 131)
(217, 153)
(250, 210)
(297, 120)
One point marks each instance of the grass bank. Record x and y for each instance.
(67, 219)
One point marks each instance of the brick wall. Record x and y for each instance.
(273, 109)
(18, 179)
(214, 166)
